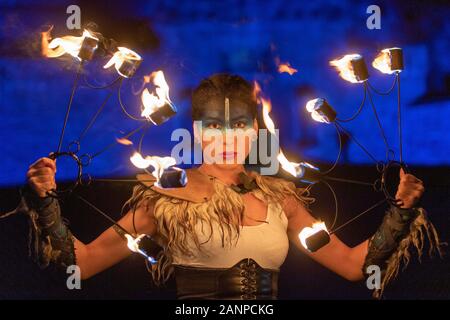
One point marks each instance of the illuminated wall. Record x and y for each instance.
(191, 40)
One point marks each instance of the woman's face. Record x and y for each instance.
(226, 131)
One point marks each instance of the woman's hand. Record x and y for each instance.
(41, 176)
(410, 190)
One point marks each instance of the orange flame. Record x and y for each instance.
(345, 68)
(150, 101)
(60, 46)
(266, 108)
(45, 39)
(123, 54)
(383, 61)
(285, 67)
(291, 167)
(124, 141)
(257, 91)
(309, 231)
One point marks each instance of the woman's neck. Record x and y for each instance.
(228, 175)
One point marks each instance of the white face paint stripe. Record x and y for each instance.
(227, 112)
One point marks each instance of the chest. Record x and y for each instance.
(255, 210)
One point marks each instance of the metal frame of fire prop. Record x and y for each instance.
(157, 108)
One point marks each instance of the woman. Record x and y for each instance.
(226, 234)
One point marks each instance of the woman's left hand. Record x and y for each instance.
(410, 190)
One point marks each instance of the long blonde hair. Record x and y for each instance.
(176, 218)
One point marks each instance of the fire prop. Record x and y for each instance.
(315, 237)
(82, 48)
(156, 109)
(145, 246)
(125, 61)
(321, 111)
(389, 61)
(352, 68)
(166, 175)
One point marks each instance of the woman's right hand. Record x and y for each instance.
(41, 176)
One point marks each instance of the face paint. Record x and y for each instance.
(226, 130)
(226, 114)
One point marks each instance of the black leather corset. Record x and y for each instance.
(244, 281)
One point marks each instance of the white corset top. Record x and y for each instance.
(266, 243)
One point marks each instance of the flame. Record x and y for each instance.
(383, 61)
(45, 39)
(345, 68)
(138, 161)
(150, 101)
(124, 141)
(295, 169)
(291, 167)
(60, 46)
(123, 54)
(311, 108)
(266, 108)
(286, 67)
(257, 91)
(158, 163)
(133, 243)
(309, 231)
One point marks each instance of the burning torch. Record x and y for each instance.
(353, 69)
(166, 175)
(157, 107)
(81, 48)
(126, 62)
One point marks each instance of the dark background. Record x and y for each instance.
(189, 41)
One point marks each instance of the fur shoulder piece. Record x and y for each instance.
(206, 202)
(278, 189)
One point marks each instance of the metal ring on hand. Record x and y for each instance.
(55, 155)
(384, 181)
